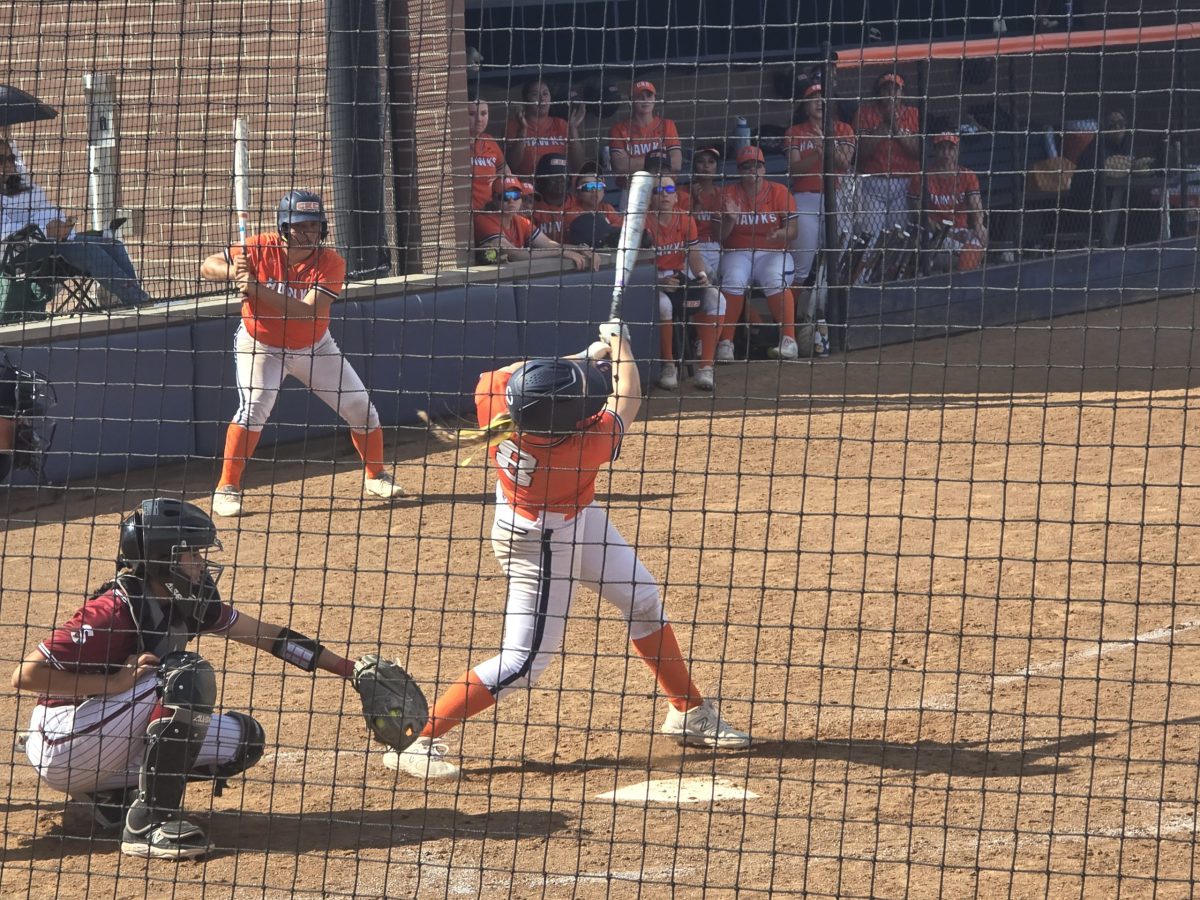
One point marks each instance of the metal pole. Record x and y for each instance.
(100, 94)
(836, 311)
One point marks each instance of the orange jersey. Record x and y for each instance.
(672, 240)
(487, 159)
(809, 140)
(758, 216)
(324, 271)
(538, 475)
(889, 156)
(542, 137)
(549, 218)
(635, 139)
(947, 195)
(573, 210)
(519, 231)
(705, 206)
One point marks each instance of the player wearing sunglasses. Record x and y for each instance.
(506, 230)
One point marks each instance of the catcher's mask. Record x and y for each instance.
(26, 397)
(155, 537)
(557, 396)
(301, 206)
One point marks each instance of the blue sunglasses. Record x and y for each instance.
(665, 189)
(592, 186)
(511, 195)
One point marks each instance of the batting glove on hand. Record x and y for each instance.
(612, 328)
(598, 350)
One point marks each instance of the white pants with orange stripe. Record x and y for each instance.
(99, 744)
(321, 367)
(545, 560)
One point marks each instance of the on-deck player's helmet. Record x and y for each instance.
(557, 396)
(155, 535)
(301, 206)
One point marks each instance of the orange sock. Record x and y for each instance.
(783, 308)
(370, 448)
(465, 698)
(707, 328)
(666, 341)
(660, 651)
(239, 447)
(734, 304)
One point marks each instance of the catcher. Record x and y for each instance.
(125, 715)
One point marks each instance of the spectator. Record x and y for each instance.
(534, 133)
(588, 219)
(681, 270)
(758, 225)
(951, 194)
(889, 153)
(487, 159)
(805, 146)
(630, 140)
(706, 202)
(550, 195)
(515, 236)
(100, 257)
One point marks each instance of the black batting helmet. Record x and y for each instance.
(154, 536)
(301, 206)
(557, 396)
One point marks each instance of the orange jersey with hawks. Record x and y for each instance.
(542, 137)
(324, 271)
(809, 139)
(637, 140)
(672, 240)
(947, 196)
(487, 159)
(538, 474)
(518, 231)
(889, 156)
(758, 216)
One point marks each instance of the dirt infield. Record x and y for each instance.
(951, 589)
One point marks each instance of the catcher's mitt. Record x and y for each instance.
(393, 705)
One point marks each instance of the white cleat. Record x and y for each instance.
(425, 758)
(787, 349)
(668, 378)
(227, 501)
(704, 378)
(702, 726)
(725, 352)
(383, 486)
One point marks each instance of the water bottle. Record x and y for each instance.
(1051, 146)
(741, 134)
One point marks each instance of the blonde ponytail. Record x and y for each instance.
(500, 429)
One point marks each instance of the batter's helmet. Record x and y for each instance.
(301, 206)
(557, 396)
(152, 539)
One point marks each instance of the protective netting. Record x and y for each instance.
(887, 587)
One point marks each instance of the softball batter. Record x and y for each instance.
(551, 424)
(289, 282)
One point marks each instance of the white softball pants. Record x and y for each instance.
(99, 744)
(808, 233)
(545, 561)
(322, 368)
(770, 270)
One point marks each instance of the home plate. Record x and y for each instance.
(679, 790)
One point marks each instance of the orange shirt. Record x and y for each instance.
(705, 206)
(947, 195)
(638, 140)
(770, 210)
(538, 474)
(487, 159)
(573, 210)
(672, 240)
(549, 218)
(889, 156)
(324, 271)
(542, 137)
(809, 140)
(519, 231)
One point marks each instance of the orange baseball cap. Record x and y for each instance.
(500, 185)
(946, 138)
(747, 154)
(812, 89)
(889, 78)
(644, 86)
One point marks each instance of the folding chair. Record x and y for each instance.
(35, 289)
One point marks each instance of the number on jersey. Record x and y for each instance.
(516, 463)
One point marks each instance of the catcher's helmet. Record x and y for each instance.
(154, 536)
(26, 397)
(301, 206)
(557, 396)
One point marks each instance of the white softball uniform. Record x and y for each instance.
(99, 744)
(321, 367)
(711, 301)
(809, 206)
(710, 252)
(770, 270)
(545, 560)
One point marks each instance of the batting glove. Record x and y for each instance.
(612, 328)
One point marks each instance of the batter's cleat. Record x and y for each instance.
(425, 758)
(704, 378)
(176, 839)
(382, 485)
(227, 501)
(110, 807)
(787, 349)
(668, 377)
(725, 352)
(702, 726)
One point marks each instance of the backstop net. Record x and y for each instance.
(871, 578)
